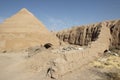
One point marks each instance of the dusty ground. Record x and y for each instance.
(9, 71)
(12, 67)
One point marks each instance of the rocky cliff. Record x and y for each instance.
(115, 32)
(84, 35)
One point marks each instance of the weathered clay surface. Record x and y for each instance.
(80, 35)
(115, 32)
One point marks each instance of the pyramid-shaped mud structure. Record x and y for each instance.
(24, 30)
(23, 21)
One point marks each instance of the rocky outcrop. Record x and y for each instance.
(115, 32)
(84, 35)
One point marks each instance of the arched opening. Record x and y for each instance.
(48, 45)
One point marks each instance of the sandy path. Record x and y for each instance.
(8, 64)
(9, 69)
(12, 68)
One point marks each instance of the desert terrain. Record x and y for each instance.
(28, 51)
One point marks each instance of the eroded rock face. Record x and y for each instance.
(84, 35)
(115, 32)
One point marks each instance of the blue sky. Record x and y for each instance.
(60, 14)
